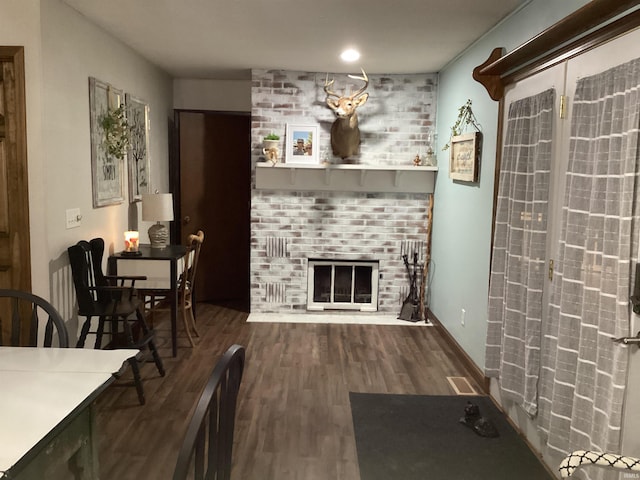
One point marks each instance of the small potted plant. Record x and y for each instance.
(271, 140)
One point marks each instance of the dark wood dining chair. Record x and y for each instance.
(22, 314)
(156, 300)
(207, 446)
(113, 300)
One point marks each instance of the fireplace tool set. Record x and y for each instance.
(414, 308)
(410, 310)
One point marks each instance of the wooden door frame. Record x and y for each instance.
(19, 185)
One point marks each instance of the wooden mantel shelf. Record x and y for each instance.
(351, 178)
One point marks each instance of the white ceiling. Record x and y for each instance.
(224, 39)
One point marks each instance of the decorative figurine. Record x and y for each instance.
(271, 154)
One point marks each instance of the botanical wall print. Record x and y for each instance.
(109, 137)
(138, 153)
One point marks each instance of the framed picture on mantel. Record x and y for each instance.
(463, 159)
(302, 144)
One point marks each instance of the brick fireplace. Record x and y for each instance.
(291, 227)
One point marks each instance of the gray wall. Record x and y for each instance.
(62, 50)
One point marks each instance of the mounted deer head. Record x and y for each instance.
(345, 134)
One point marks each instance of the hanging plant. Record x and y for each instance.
(116, 134)
(465, 118)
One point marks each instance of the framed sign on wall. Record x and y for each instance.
(464, 157)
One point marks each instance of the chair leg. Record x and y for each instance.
(152, 346)
(100, 332)
(128, 332)
(156, 358)
(84, 332)
(193, 320)
(137, 379)
(186, 325)
(152, 301)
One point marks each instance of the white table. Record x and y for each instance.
(46, 415)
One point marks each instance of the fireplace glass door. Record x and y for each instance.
(342, 285)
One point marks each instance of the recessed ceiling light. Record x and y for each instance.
(350, 55)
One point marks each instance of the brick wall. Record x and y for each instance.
(289, 227)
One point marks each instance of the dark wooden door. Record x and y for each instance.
(15, 254)
(214, 170)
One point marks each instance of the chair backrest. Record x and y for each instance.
(209, 438)
(194, 244)
(25, 312)
(86, 268)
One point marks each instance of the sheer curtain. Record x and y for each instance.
(583, 372)
(519, 250)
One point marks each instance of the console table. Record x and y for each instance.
(160, 266)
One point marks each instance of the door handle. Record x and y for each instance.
(187, 219)
(628, 340)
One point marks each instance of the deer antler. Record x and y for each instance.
(364, 78)
(328, 84)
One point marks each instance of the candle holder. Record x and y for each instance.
(131, 241)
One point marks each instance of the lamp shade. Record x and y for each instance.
(157, 207)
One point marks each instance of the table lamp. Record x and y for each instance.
(157, 207)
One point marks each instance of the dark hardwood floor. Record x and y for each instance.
(293, 418)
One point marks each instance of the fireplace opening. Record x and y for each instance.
(342, 285)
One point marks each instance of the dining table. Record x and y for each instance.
(47, 409)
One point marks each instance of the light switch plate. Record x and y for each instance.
(73, 218)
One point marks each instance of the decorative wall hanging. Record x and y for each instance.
(465, 118)
(465, 147)
(463, 159)
(138, 152)
(345, 134)
(302, 144)
(109, 140)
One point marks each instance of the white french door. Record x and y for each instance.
(562, 78)
(618, 51)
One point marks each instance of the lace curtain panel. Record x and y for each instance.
(519, 250)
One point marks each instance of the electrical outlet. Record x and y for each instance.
(73, 218)
(462, 314)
